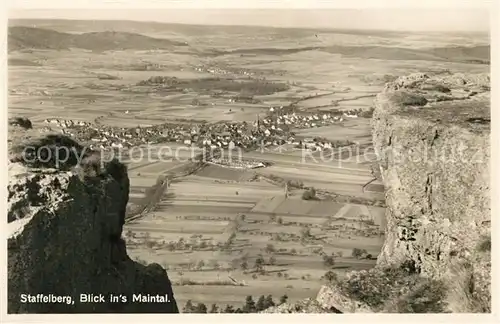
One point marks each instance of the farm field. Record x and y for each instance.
(205, 229)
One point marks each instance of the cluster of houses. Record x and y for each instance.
(272, 130)
(277, 120)
(66, 123)
(216, 70)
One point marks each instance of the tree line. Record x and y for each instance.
(250, 306)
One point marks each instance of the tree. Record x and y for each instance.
(293, 251)
(309, 194)
(188, 308)
(261, 303)
(229, 309)
(270, 248)
(328, 260)
(272, 260)
(214, 309)
(244, 265)
(357, 253)
(200, 264)
(249, 306)
(305, 232)
(283, 299)
(201, 308)
(150, 244)
(330, 276)
(128, 234)
(269, 302)
(280, 220)
(259, 263)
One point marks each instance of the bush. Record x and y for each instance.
(426, 297)
(150, 244)
(379, 287)
(270, 248)
(259, 263)
(328, 260)
(409, 99)
(367, 113)
(305, 233)
(54, 151)
(189, 307)
(201, 308)
(485, 245)
(214, 309)
(330, 276)
(21, 122)
(358, 253)
(283, 299)
(436, 87)
(309, 194)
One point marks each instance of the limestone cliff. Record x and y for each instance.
(431, 135)
(432, 138)
(65, 228)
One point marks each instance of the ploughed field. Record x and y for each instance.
(222, 233)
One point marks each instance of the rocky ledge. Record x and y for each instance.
(431, 134)
(432, 138)
(65, 225)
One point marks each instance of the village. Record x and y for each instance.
(274, 129)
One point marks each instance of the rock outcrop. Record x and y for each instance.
(431, 135)
(331, 296)
(432, 138)
(307, 306)
(65, 228)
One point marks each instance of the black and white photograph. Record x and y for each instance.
(248, 161)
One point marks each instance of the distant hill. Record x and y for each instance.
(459, 54)
(64, 25)
(21, 37)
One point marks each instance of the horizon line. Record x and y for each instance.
(478, 31)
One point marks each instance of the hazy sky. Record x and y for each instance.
(414, 19)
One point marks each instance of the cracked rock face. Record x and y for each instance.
(65, 239)
(432, 137)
